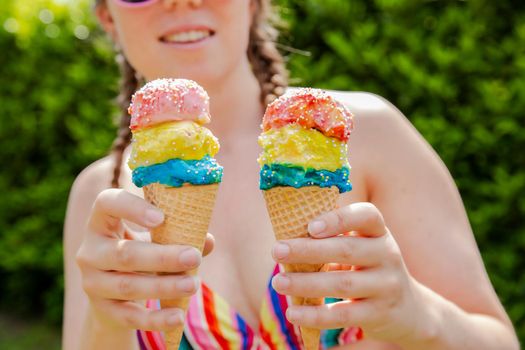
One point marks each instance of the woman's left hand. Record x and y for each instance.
(366, 270)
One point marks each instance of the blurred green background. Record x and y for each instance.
(455, 68)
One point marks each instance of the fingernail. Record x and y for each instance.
(175, 319)
(154, 217)
(316, 227)
(292, 315)
(190, 257)
(281, 282)
(188, 284)
(281, 251)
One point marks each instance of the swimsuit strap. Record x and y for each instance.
(211, 323)
(278, 333)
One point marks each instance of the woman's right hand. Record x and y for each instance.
(117, 271)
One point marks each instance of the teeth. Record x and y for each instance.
(185, 37)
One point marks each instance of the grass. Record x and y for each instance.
(18, 334)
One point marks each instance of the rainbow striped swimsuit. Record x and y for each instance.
(212, 324)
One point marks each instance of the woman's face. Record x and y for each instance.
(203, 40)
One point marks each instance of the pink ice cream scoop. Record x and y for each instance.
(166, 100)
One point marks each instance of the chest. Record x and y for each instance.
(240, 266)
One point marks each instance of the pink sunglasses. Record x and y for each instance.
(135, 3)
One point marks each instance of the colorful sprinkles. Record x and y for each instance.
(177, 172)
(312, 109)
(164, 100)
(289, 175)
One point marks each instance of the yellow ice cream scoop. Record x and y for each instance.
(185, 140)
(308, 148)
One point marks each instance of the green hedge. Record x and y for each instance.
(55, 109)
(455, 68)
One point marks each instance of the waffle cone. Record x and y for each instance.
(290, 210)
(187, 212)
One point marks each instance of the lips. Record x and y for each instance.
(187, 36)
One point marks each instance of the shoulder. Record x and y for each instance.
(384, 144)
(373, 114)
(380, 128)
(364, 105)
(90, 182)
(379, 125)
(87, 186)
(374, 117)
(95, 176)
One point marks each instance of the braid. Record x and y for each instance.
(267, 62)
(128, 85)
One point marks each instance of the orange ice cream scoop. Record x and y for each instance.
(312, 109)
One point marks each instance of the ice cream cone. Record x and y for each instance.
(290, 210)
(187, 211)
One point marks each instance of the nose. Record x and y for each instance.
(192, 3)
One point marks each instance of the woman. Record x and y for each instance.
(421, 285)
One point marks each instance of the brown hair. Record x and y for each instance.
(266, 61)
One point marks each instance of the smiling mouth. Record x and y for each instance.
(187, 37)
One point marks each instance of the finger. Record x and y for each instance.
(135, 232)
(349, 250)
(128, 256)
(363, 218)
(331, 316)
(209, 244)
(340, 267)
(145, 236)
(135, 316)
(339, 284)
(112, 205)
(126, 286)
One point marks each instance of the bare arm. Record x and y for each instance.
(423, 209)
(79, 325)
(421, 282)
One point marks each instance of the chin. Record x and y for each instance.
(207, 77)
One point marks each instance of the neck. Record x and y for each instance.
(235, 104)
